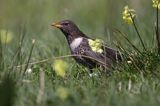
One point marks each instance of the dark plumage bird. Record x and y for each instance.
(79, 45)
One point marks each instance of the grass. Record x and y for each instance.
(135, 83)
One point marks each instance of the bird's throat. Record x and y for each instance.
(71, 36)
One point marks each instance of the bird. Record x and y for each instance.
(79, 44)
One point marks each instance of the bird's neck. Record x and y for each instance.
(73, 35)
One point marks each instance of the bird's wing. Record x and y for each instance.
(107, 58)
(99, 58)
(114, 55)
(111, 53)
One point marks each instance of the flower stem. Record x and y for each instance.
(123, 35)
(138, 34)
(30, 54)
(157, 32)
(1, 55)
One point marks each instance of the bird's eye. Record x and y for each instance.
(65, 24)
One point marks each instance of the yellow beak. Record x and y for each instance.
(57, 25)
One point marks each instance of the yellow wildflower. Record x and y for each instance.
(128, 15)
(6, 36)
(96, 45)
(62, 93)
(60, 67)
(156, 3)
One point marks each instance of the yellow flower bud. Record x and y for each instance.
(99, 50)
(156, 4)
(60, 67)
(6, 36)
(62, 93)
(128, 15)
(96, 45)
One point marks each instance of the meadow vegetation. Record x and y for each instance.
(35, 63)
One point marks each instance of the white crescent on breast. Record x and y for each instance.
(76, 42)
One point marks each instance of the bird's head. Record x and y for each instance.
(68, 28)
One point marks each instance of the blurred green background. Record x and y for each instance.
(95, 18)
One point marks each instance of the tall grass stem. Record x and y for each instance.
(135, 26)
(157, 31)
